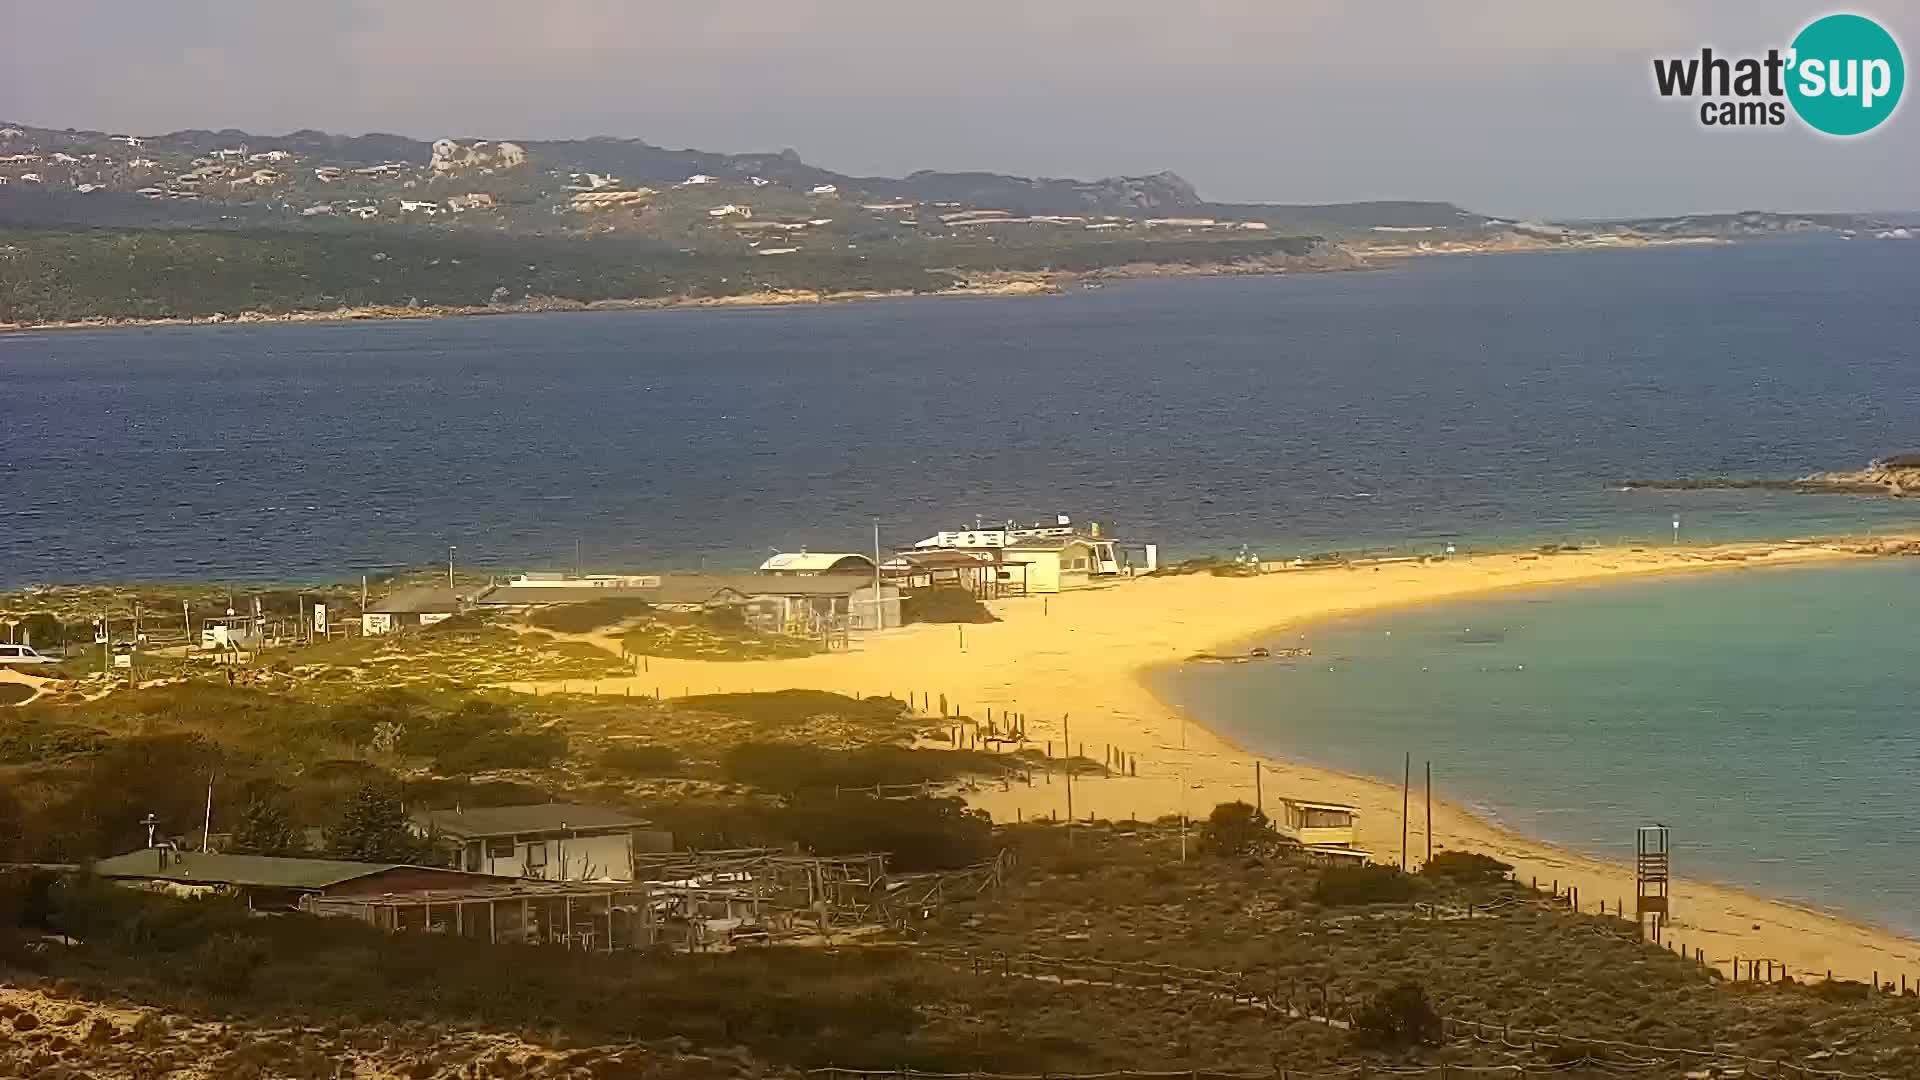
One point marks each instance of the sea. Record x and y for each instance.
(1487, 402)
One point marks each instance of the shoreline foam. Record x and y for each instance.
(1082, 656)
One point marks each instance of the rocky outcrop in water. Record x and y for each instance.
(1898, 476)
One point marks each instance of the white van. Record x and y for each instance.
(22, 654)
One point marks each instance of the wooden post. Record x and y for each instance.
(1259, 799)
(1443, 1068)
(1064, 730)
(493, 923)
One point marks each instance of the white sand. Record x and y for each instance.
(1079, 655)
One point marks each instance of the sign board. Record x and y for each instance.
(99, 631)
(376, 623)
(123, 660)
(320, 619)
(428, 618)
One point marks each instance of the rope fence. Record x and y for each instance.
(1240, 988)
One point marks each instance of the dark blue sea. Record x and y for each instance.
(1483, 401)
(1487, 402)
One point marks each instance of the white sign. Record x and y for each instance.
(123, 660)
(320, 619)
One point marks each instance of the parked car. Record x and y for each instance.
(13, 655)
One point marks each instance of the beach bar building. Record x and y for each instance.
(987, 573)
(548, 841)
(412, 607)
(1055, 557)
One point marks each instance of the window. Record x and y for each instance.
(536, 855)
(473, 857)
(500, 849)
(9, 650)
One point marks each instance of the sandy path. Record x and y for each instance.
(1082, 654)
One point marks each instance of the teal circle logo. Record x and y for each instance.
(1846, 74)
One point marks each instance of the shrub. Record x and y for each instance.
(226, 963)
(590, 615)
(1235, 829)
(642, 760)
(919, 834)
(1466, 868)
(1347, 886)
(504, 750)
(1398, 1019)
(796, 767)
(946, 604)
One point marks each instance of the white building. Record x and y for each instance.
(415, 607)
(698, 178)
(1325, 829)
(810, 563)
(824, 189)
(549, 841)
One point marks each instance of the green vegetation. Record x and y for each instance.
(585, 618)
(1466, 868)
(709, 635)
(947, 604)
(1348, 886)
(1236, 829)
(374, 829)
(1168, 962)
(61, 274)
(1398, 1018)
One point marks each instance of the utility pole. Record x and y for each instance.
(1429, 811)
(1259, 800)
(450, 550)
(576, 557)
(1406, 790)
(879, 609)
(207, 829)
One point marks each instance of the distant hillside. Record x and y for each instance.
(310, 169)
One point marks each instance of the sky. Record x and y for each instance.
(1519, 108)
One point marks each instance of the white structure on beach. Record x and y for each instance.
(1057, 556)
(1326, 829)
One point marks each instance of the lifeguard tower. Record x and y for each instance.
(1653, 868)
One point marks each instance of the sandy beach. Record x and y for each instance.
(1078, 658)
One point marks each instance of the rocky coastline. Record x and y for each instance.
(1897, 476)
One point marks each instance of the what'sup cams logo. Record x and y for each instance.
(1842, 75)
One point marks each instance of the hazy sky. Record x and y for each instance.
(1527, 107)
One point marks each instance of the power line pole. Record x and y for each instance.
(1429, 811)
(1406, 790)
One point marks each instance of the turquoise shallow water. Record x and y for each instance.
(1769, 717)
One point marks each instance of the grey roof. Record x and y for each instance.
(204, 868)
(482, 821)
(417, 599)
